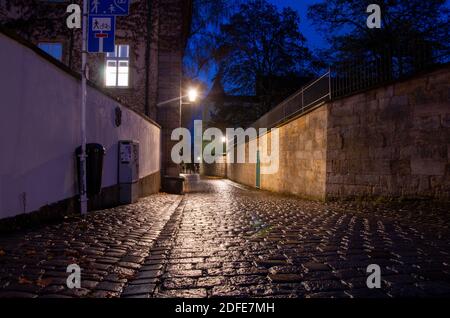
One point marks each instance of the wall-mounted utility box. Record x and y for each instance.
(128, 171)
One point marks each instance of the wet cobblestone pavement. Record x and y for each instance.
(223, 239)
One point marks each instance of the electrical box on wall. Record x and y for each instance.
(128, 171)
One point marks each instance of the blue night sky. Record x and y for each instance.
(315, 40)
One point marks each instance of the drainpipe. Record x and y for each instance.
(71, 49)
(71, 44)
(147, 58)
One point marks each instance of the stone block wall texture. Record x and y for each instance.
(302, 158)
(244, 173)
(392, 141)
(217, 169)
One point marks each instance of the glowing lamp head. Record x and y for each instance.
(192, 95)
(224, 139)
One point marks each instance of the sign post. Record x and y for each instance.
(99, 18)
(82, 178)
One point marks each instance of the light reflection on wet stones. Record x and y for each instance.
(223, 241)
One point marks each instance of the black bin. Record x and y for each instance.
(94, 168)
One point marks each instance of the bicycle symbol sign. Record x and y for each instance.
(101, 37)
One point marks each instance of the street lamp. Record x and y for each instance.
(192, 97)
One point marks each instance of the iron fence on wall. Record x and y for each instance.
(383, 67)
(307, 97)
(356, 75)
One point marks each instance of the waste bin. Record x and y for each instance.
(173, 184)
(94, 168)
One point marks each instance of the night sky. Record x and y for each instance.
(315, 40)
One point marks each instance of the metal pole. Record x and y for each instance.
(303, 98)
(83, 196)
(172, 100)
(329, 83)
(180, 110)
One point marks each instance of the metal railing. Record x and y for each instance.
(316, 92)
(350, 77)
(385, 66)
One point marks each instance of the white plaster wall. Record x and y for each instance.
(40, 129)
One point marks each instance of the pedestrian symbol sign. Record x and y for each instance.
(109, 7)
(101, 34)
(101, 24)
(102, 19)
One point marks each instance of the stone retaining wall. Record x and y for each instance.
(393, 141)
(302, 159)
(217, 169)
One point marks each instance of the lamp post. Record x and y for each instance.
(192, 95)
(83, 196)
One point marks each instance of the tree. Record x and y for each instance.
(228, 111)
(37, 19)
(408, 27)
(202, 44)
(259, 41)
(31, 17)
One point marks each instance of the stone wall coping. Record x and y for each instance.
(363, 91)
(432, 69)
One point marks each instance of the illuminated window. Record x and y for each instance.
(53, 49)
(117, 67)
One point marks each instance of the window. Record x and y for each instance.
(117, 67)
(54, 49)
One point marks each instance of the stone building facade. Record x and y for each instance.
(147, 68)
(217, 98)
